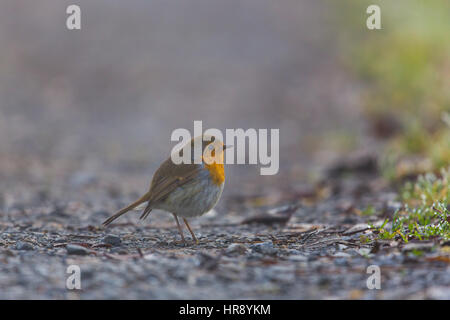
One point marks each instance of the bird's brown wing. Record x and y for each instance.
(166, 179)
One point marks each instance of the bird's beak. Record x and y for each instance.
(227, 146)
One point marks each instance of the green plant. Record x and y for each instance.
(425, 212)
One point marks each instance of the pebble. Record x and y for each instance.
(264, 248)
(356, 228)
(22, 245)
(112, 240)
(76, 249)
(236, 248)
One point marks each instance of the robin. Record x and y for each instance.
(188, 189)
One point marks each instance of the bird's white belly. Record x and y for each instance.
(193, 199)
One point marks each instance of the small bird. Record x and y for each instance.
(187, 189)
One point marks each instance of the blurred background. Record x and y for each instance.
(100, 103)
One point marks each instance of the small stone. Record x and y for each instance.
(356, 229)
(22, 245)
(264, 248)
(237, 248)
(112, 240)
(76, 249)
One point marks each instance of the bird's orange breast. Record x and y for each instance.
(217, 172)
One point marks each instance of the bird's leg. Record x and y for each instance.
(179, 228)
(190, 230)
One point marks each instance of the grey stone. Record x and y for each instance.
(264, 248)
(22, 245)
(356, 228)
(112, 240)
(236, 248)
(76, 249)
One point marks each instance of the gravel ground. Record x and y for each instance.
(312, 244)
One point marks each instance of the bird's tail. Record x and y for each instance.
(144, 198)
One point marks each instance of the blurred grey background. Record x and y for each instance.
(106, 98)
